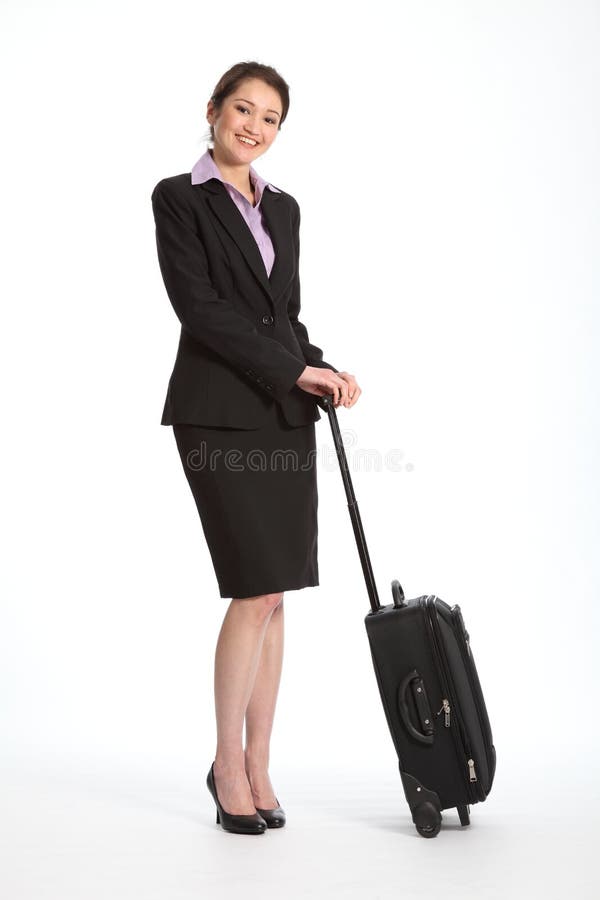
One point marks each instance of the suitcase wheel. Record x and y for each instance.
(427, 819)
(424, 805)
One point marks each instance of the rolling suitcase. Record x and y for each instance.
(429, 688)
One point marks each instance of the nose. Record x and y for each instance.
(250, 125)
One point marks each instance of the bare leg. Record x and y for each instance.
(237, 658)
(261, 711)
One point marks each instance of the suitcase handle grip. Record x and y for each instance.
(403, 707)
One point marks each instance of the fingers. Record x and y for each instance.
(332, 384)
(348, 392)
(354, 393)
(340, 393)
(341, 385)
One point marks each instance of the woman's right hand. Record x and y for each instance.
(324, 381)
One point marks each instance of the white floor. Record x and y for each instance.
(89, 830)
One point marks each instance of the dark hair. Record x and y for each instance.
(229, 82)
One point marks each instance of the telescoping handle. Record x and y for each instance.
(326, 403)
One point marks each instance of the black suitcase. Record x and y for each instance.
(429, 687)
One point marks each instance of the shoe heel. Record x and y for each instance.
(218, 818)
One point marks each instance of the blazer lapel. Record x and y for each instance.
(278, 224)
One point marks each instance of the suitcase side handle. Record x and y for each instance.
(422, 703)
(326, 403)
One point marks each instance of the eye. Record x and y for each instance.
(269, 119)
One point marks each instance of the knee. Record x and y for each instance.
(270, 602)
(276, 602)
(264, 604)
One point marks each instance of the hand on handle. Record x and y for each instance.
(321, 382)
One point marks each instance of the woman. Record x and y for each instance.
(241, 397)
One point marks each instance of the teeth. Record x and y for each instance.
(246, 140)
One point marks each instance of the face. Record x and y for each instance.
(252, 111)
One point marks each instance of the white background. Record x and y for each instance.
(445, 159)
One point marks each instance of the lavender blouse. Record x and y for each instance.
(207, 168)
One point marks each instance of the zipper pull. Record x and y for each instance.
(446, 710)
(471, 765)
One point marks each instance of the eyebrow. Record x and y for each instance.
(254, 104)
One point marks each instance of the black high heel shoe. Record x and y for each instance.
(275, 818)
(249, 824)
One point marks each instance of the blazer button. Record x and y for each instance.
(269, 387)
(250, 372)
(267, 320)
(260, 379)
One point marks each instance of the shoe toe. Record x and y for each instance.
(275, 818)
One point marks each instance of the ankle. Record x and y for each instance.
(256, 761)
(229, 764)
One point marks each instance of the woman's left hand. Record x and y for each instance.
(354, 391)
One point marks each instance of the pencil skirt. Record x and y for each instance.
(256, 495)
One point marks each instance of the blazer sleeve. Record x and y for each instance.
(210, 319)
(312, 354)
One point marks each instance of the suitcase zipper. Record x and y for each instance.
(446, 710)
(461, 742)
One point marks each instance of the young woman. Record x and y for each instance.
(241, 400)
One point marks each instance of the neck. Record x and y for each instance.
(238, 175)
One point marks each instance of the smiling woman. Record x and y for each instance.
(244, 385)
(244, 127)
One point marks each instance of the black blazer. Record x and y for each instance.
(242, 346)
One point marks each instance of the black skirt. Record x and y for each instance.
(256, 495)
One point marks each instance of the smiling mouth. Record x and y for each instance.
(249, 142)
